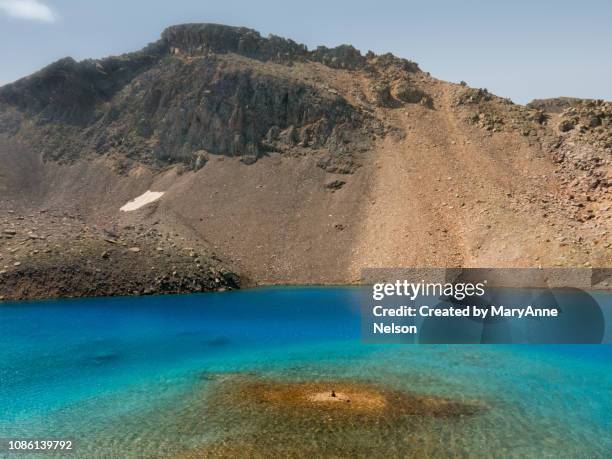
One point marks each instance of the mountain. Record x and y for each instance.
(280, 164)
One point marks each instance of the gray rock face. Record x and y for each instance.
(196, 39)
(70, 92)
(223, 110)
(184, 94)
(216, 38)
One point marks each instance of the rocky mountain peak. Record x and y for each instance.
(194, 39)
(206, 38)
(200, 88)
(216, 38)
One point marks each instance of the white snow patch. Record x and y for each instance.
(146, 198)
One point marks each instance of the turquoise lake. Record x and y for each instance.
(132, 377)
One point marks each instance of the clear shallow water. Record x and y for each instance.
(130, 377)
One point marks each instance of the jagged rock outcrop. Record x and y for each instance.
(553, 105)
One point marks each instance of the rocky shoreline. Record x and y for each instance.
(57, 254)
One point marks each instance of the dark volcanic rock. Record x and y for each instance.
(566, 125)
(335, 184)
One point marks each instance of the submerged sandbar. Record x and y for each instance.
(259, 417)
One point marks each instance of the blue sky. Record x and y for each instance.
(517, 49)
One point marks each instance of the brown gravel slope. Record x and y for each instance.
(454, 194)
